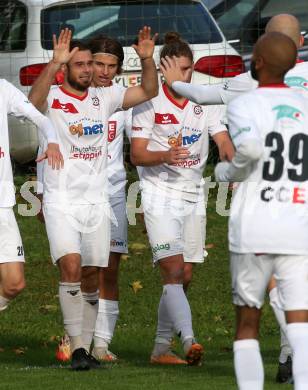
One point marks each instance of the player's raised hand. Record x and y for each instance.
(176, 154)
(61, 47)
(146, 43)
(54, 156)
(171, 70)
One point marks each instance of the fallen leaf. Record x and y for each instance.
(136, 286)
(53, 338)
(209, 246)
(2, 349)
(48, 308)
(124, 257)
(19, 351)
(137, 246)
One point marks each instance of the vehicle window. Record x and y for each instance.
(122, 20)
(13, 26)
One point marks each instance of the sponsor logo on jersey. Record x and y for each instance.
(165, 119)
(81, 130)
(297, 82)
(95, 101)
(2, 154)
(189, 162)
(88, 153)
(112, 130)
(66, 107)
(240, 131)
(160, 247)
(284, 111)
(185, 140)
(296, 195)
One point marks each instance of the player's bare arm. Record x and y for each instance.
(61, 55)
(149, 81)
(225, 145)
(141, 156)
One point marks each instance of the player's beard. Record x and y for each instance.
(253, 70)
(77, 85)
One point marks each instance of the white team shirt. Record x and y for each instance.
(296, 78)
(14, 102)
(82, 129)
(166, 123)
(269, 210)
(118, 124)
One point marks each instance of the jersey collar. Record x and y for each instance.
(172, 100)
(275, 85)
(299, 61)
(73, 95)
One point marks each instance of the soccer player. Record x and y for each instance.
(14, 102)
(170, 140)
(108, 56)
(75, 202)
(268, 223)
(296, 78)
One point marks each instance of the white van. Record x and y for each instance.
(26, 28)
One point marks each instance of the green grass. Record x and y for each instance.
(33, 320)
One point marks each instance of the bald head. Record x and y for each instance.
(286, 24)
(274, 55)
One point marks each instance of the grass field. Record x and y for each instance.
(28, 330)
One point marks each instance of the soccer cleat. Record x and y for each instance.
(80, 360)
(168, 358)
(63, 352)
(284, 374)
(93, 362)
(194, 355)
(104, 355)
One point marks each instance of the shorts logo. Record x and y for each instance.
(165, 119)
(66, 107)
(117, 243)
(1, 153)
(160, 247)
(198, 110)
(112, 130)
(95, 101)
(20, 251)
(284, 111)
(81, 130)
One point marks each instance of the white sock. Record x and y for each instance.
(164, 331)
(285, 348)
(248, 365)
(178, 309)
(3, 303)
(108, 312)
(90, 309)
(71, 303)
(298, 337)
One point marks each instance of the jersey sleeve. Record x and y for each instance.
(128, 123)
(243, 119)
(236, 86)
(215, 119)
(143, 120)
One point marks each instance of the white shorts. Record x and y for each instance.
(175, 227)
(118, 233)
(83, 229)
(11, 248)
(251, 274)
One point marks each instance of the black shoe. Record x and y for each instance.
(284, 374)
(93, 363)
(80, 360)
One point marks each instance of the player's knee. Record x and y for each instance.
(14, 287)
(70, 268)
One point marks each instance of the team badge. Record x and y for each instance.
(112, 130)
(198, 110)
(95, 101)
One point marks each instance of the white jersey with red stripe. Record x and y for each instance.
(296, 78)
(82, 129)
(166, 123)
(269, 211)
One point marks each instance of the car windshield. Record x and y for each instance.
(13, 23)
(243, 21)
(122, 20)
